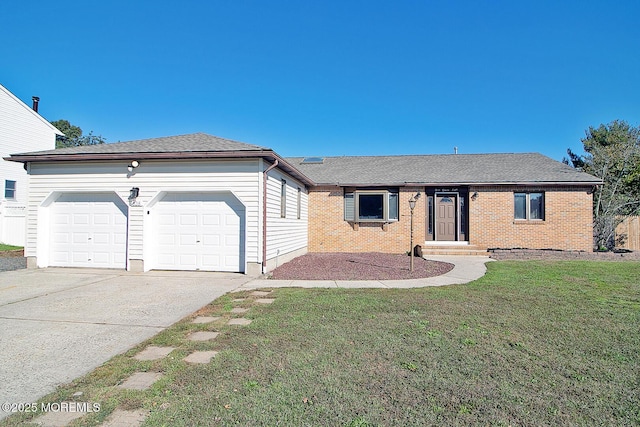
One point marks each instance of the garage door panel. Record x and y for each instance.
(210, 219)
(62, 238)
(102, 238)
(80, 238)
(211, 240)
(79, 257)
(101, 219)
(80, 219)
(166, 219)
(200, 223)
(210, 261)
(189, 260)
(120, 239)
(88, 230)
(188, 239)
(232, 220)
(188, 219)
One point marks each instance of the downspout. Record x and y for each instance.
(264, 215)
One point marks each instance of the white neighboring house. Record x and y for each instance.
(188, 202)
(21, 129)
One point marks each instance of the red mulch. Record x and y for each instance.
(358, 266)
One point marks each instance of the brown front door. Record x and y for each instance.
(446, 217)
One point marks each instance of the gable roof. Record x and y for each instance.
(191, 146)
(191, 143)
(30, 110)
(446, 169)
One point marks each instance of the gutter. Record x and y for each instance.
(176, 155)
(458, 184)
(264, 213)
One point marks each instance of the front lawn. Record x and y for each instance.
(531, 343)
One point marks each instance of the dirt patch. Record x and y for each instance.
(358, 266)
(551, 255)
(12, 253)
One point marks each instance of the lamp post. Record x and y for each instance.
(412, 205)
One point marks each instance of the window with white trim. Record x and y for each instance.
(9, 189)
(371, 206)
(528, 206)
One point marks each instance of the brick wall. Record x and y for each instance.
(329, 232)
(568, 223)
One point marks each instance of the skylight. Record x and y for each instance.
(312, 160)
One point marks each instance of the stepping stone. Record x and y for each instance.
(121, 418)
(61, 418)
(140, 380)
(239, 299)
(204, 319)
(260, 293)
(203, 336)
(153, 353)
(200, 357)
(238, 310)
(239, 321)
(265, 300)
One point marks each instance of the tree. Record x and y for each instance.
(612, 153)
(73, 136)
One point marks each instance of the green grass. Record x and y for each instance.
(5, 248)
(531, 343)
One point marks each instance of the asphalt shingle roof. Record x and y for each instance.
(195, 142)
(450, 169)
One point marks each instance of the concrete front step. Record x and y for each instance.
(453, 249)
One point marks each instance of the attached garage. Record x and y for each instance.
(88, 230)
(198, 231)
(186, 202)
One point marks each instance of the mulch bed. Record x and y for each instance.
(358, 266)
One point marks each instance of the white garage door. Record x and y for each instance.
(88, 230)
(199, 231)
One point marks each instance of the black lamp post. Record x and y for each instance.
(412, 205)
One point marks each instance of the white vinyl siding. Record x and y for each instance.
(288, 234)
(240, 177)
(21, 130)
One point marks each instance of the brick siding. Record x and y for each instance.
(567, 224)
(329, 232)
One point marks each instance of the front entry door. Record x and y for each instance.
(446, 217)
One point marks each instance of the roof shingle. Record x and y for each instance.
(195, 142)
(452, 169)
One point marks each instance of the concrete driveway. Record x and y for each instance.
(57, 324)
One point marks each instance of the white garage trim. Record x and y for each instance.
(87, 229)
(196, 231)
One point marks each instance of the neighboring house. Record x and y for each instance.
(190, 202)
(199, 202)
(480, 201)
(21, 129)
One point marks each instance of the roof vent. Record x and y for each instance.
(312, 160)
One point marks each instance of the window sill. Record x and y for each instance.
(529, 221)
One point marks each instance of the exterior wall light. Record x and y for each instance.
(475, 196)
(133, 195)
(134, 164)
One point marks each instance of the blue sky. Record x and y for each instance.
(331, 77)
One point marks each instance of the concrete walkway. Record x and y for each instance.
(466, 269)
